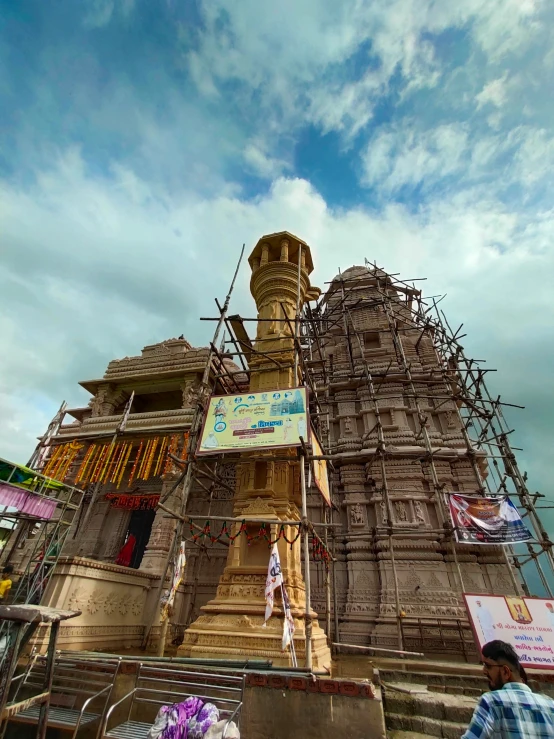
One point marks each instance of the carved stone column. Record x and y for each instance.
(161, 535)
(232, 623)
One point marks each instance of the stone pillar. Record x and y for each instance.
(161, 536)
(232, 623)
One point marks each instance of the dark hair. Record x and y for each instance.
(8, 569)
(501, 651)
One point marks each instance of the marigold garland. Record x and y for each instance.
(62, 459)
(163, 447)
(109, 463)
(135, 465)
(150, 458)
(84, 464)
(118, 459)
(124, 465)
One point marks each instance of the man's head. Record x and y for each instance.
(6, 572)
(550, 607)
(501, 664)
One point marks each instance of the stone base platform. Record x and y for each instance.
(226, 636)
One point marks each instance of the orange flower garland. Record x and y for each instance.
(124, 465)
(117, 460)
(148, 466)
(106, 462)
(53, 457)
(109, 463)
(97, 462)
(163, 447)
(133, 471)
(84, 464)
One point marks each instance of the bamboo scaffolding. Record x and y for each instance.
(405, 315)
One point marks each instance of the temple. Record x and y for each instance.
(388, 412)
(399, 446)
(118, 546)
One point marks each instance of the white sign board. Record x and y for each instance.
(526, 623)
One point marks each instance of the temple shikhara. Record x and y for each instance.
(383, 421)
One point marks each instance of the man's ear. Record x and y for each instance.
(506, 671)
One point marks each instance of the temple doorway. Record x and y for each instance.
(137, 536)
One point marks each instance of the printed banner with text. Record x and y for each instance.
(486, 520)
(526, 623)
(276, 418)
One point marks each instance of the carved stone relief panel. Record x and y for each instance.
(357, 516)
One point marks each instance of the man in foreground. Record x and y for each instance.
(511, 710)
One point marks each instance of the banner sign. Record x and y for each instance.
(320, 470)
(486, 520)
(133, 502)
(276, 418)
(526, 623)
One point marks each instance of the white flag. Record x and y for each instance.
(274, 580)
(178, 572)
(288, 623)
(123, 423)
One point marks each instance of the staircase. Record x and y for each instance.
(419, 705)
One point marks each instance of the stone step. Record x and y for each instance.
(474, 684)
(415, 701)
(472, 692)
(419, 726)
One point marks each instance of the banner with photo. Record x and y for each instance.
(319, 467)
(486, 520)
(275, 418)
(525, 623)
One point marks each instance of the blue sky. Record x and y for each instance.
(141, 143)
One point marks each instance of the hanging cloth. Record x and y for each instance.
(126, 554)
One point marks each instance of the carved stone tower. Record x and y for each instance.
(269, 488)
(382, 333)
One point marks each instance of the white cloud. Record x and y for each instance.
(294, 57)
(261, 163)
(96, 268)
(494, 92)
(535, 157)
(475, 163)
(401, 156)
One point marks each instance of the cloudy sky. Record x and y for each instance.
(143, 141)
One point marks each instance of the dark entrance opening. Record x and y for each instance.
(140, 526)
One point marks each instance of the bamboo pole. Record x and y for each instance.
(188, 475)
(308, 624)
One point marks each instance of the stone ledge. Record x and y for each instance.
(94, 564)
(352, 688)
